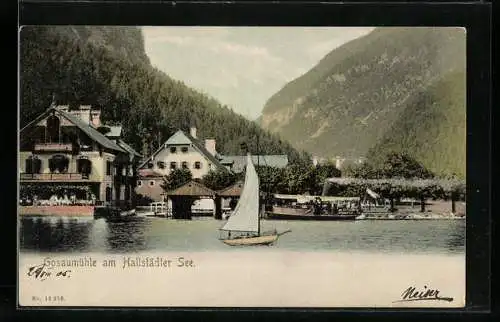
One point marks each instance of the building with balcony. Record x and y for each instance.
(67, 153)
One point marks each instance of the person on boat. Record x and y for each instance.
(317, 206)
(335, 209)
(329, 208)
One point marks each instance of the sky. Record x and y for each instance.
(242, 67)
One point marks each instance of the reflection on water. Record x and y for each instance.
(55, 234)
(49, 234)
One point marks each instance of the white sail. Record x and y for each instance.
(246, 213)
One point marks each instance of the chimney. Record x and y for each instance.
(83, 113)
(95, 118)
(210, 146)
(192, 131)
(338, 162)
(315, 160)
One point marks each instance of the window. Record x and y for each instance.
(59, 164)
(109, 166)
(173, 165)
(53, 124)
(151, 183)
(28, 168)
(150, 165)
(184, 149)
(139, 183)
(161, 164)
(173, 149)
(37, 165)
(84, 166)
(127, 193)
(184, 165)
(197, 165)
(108, 193)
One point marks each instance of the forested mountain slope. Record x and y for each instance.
(391, 86)
(108, 68)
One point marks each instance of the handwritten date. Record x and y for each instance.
(42, 272)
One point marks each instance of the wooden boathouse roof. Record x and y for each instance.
(192, 188)
(232, 191)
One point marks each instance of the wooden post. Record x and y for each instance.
(453, 205)
(175, 206)
(218, 207)
(189, 204)
(392, 203)
(422, 204)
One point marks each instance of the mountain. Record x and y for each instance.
(107, 67)
(124, 40)
(377, 91)
(434, 130)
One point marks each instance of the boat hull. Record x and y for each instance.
(114, 213)
(279, 216)
(251, 241)
(285, 213)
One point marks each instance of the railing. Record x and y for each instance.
(54, 176)
(54, 147)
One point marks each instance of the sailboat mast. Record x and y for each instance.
(258, 164)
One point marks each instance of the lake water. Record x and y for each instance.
(69, 234)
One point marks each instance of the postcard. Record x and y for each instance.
(300, 167)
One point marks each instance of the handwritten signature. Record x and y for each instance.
(426, 294)
(42, 272)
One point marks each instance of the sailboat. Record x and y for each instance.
(243, 226)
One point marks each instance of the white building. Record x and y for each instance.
(184, 150)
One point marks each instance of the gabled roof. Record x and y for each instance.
(181, 137)
(144, 173)
(86, 128)
(204, 151)
(232, 191)
(128, 148)
(239, 161)
(192, 188)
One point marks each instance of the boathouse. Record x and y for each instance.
(183, 197)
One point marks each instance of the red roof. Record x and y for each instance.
(192, 188)
(232, 191)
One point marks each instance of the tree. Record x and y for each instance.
(78, 71)
(300, 179)
(401, 165)
(217, 180)
(365, 170)
(393, 165)
(176, 178)
(272, 180)
(317, 176)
